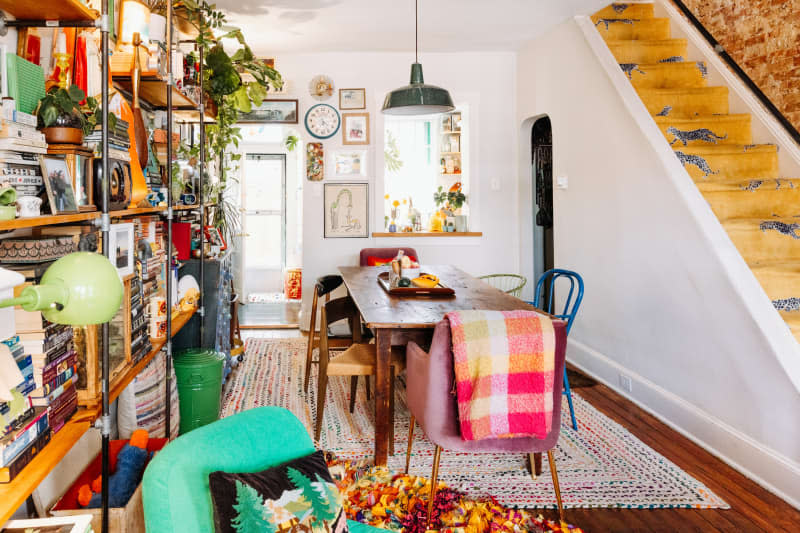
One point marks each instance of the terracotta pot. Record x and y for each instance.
(62, 135)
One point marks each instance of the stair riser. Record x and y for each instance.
(765, 202)
(665, 76)
(760, 247)
(734, 167)
(711, 101)
(631, 11)
(646, 52)
(683, 132)
(780, 286)
(630, 29)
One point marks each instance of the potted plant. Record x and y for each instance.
(61, 118)
(456, 199)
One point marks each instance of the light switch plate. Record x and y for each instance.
(562, 182)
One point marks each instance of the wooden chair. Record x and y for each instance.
(357, 360)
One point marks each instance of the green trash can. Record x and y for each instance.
(199, 375)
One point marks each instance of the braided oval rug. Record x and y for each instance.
(600, 465)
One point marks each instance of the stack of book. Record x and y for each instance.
(26, 426)
(140, 340)
(118, 141)
(20, 146)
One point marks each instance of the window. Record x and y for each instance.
(421, 154)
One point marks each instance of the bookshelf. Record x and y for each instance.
(62, 10)
(54, 220)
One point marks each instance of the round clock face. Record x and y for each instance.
(322, 121)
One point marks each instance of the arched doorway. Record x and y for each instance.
(542, 177)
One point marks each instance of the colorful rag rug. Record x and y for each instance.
(600, 465)
(398, 502)
(504, 363)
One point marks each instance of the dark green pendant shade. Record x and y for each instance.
(417, 98)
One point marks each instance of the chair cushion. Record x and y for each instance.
(301, 492)
(326, 284)
(359, 360)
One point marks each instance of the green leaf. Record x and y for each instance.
(242, 100)
(49, 115)
(76, 93)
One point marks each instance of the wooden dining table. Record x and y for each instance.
(396, 320)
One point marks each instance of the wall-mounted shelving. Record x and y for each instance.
(53, 220)
(63, 10)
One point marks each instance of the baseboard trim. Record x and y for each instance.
(770, 469)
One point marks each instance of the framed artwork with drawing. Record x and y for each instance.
(346, 210)
(355, 128)
(352, 99)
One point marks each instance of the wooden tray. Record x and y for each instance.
(439, 290)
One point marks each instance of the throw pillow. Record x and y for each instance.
(296, 496)
(380, 261)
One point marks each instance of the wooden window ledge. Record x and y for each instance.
(429, 234)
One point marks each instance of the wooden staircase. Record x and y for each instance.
(740, 180)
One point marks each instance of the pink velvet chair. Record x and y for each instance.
(430, 380)
(384, 253)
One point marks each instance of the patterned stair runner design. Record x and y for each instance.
(715, 147)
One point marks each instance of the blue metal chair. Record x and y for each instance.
(571, 305)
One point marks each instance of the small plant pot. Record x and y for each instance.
(62, 135)
(8, 212)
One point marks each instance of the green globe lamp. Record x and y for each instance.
(79, 289)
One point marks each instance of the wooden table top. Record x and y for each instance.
(380, 309)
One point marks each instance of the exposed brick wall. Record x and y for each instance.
(763, 37)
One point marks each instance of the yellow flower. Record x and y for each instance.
(395, 203)
(405, 201)
(386, 197)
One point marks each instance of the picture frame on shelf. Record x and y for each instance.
(277, 111)
(214, 237)
(122, 247)
(455, 121)
(350, 164)
(355, 128)
(447, 124)
(58, 184)
(346, 210)
(352, 99)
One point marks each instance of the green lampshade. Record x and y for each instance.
(79, 289)
(417, 98)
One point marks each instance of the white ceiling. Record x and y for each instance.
(274, 26)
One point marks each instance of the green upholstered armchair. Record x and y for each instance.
(175, 486)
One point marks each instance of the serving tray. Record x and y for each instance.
(439, 290)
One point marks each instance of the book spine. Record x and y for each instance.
(50, 373)
(59, 380)
(24, 119)
(57, 340)
(15, 447)
(59, 416)
(15, 423)
(8, 473)
(45, 401)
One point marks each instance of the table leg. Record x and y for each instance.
(383, 341)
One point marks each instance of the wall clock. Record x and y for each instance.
(322, 121)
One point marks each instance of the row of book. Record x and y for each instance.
(21, 144)
(118, 141)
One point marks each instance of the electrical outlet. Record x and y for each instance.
(562, 182)
(625, 382)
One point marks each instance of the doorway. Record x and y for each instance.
(263, 201)
(542, 176)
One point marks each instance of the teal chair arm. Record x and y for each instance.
(176, 495)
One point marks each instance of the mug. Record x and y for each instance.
(8, 195)
(28, 206)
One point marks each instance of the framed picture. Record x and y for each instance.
(273, 112)
(350, 163)
(355, 128)
(352, 99)
(121, 246)
(346, 210)
(58, 183)
(214, 237)
(315, 162)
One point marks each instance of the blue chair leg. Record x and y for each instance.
(568, 392)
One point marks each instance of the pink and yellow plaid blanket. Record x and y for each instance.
(504, 368)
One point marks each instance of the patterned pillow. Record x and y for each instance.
(296, 496)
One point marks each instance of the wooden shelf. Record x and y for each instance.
(430, 234)
(52, 220)
(14, 494)
(154, 91)
(450, 153)
(64, 10)
(450, 173)
(448, 132)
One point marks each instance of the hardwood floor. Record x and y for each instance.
(753, 509)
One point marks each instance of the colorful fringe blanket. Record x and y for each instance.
(504, 364)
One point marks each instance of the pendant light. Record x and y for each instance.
(417, 98)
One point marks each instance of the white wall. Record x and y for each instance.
(657, 306)
(484, 81)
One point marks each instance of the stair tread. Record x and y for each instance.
(633, 29)
(750, 223)
(714, 89)
(626, 10)
(647, 42)
(697, 119)
(787, 267)
(728, 149)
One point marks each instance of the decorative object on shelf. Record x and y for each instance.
(119, 186)
(27, 250)
(79, 160)
(417, 98)
(58, 183)
(346, 210)
(122, 247)
(352, 99)
(25, 82)
(320, 87)
(61, 118)
(29, 206)
(79, 289)
(315, 162)
(293, 283)
(62, 61)
(134, 18)
(355, 128)
(138, 183)
(8, 199)
(273, 112)
(350, 163)
(322, 121)
(214, 238)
